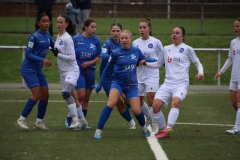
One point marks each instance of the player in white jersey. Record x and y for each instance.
(148, 78)
(68, 68)
(234, 87)
(177, 58)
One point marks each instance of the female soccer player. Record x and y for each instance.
(177, 58)
(107, 49)
(88, 50)
(123, 60)
(31, 70)
(68, 68)
(234, 60)
(148, 78)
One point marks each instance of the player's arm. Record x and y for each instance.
(29, 54)
(226, 65)
(70, 55)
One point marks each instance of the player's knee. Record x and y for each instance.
(66, 95)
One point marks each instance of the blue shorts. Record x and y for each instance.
(34, 78)
(107, 87)
(86, 79)
(129, 91)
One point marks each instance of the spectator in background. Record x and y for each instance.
(45, 6)
(72, 13)
(85, 9)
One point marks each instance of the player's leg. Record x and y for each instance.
(32, 82)
(105, 114)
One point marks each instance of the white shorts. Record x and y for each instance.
(71, 78)
(165, 92)
(144, 88)
(234, 85)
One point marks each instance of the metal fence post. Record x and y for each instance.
(23, 57)
(202, 17)
(219, 63)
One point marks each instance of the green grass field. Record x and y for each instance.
(199, 133)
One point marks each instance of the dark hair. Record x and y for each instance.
(148, 21)
(39, 17)
(70, 28)
(117, 24)
(183, 30)
(87, 23)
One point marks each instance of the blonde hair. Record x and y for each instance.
(128, 32)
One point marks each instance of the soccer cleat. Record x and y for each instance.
(98, 134)
(81, 126)
(74, 124)
(40, 125)
(22, 124)
(155, 128)
(165, 134)
(146, 132)
(233, 131)
(148, 121)
(132, 124)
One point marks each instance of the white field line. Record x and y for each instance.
(55, 101)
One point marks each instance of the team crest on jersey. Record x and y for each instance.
(133, 56)
(181, 50)
(92, 45)
(60, 42)
(150, 45)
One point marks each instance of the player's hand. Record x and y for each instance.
(55, 51)
(86, 64)
(218, 75)
(98, 88)
(143, 63)
(200, 77)
(46, 63)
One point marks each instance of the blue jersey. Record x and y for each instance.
(107, 49)
(36, 51)
(86, 49)
(124, 63)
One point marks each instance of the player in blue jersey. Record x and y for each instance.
(123, 60)
(31, 70)
(107, 49)
(88, 50)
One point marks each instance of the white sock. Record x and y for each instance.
(39, 120)
(160, 120)
(132, 122)
(73, 111)
(80, 113)
(145, 110)
(173, 116)
(22, 118)
(237, 121)
(151, 112)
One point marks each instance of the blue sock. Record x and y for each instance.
(126, 115)
(42, 107)
(141, 119)
(104, 117)
(28, 107)
(69, 121)
(84, 112)
(128, 105)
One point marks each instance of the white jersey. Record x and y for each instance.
(66, 58)
(151, 48)
(234, 53)
(177, 62)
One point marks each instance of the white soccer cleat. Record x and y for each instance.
(74, 124)
(40, 125)
(233, 131)
(22, 124)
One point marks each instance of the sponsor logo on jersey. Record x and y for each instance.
(177, 59)
(150, 45)
(80, 43)
(60, 42)
(233, 52)
(181, 50)
(30, 44)
(169, 59)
